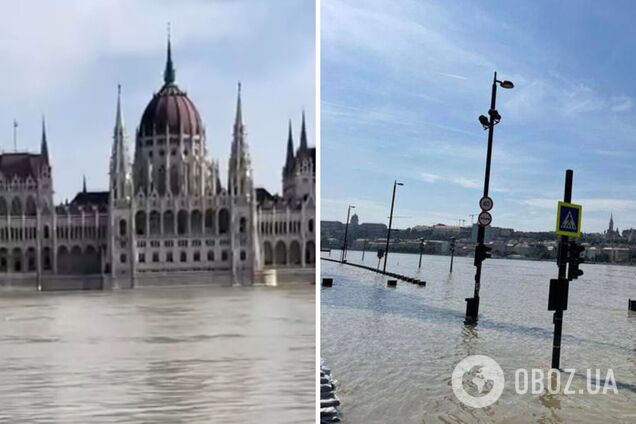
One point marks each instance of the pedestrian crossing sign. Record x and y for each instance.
(569, 219)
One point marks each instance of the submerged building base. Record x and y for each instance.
(268, 277)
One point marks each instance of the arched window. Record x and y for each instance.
(16, 257)
(211, 255)
(92, 261)
(183, 257)
(242, 224)
(122, 227)
(224, 221)
(16, 207)
(294, 253)
(3, 207)
(162, 180)
(168, 222)
(155, 223)
(140, 223)
(175, 183)
(310, 253)
(209, 221)
(196, 222)
(310, 224)
(182, 222)
(46, 259)
(46, 232)
(4, 260)
(281, 253)
(31, 210)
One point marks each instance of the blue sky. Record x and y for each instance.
(65, 58)
(404, 82)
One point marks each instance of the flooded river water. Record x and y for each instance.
(393, 350)
(191, 355)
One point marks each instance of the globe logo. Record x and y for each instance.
(478, 381)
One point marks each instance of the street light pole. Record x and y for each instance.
(344, 246)
(472, 304)
(364, 249)
(388, 234)
(452, 251)
(421, 251)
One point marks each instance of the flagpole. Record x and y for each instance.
(15, 135)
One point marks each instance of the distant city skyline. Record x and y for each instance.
(403, 85)
(68, 71)
(467, 223)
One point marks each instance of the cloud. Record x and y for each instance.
(429, 178)
(461, 181)
(466, 182)
(621, 104)
(459, 77)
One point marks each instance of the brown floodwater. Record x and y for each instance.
(393, 350)
(165, 355)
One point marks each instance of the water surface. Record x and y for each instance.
(393, 350)
(165, 355)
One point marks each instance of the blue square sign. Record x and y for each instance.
(569, 219)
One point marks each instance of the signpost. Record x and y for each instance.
(380, 256)
(486, 203)
(568, 224)
(569, 219)
(484, 219)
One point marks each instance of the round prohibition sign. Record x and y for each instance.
(486, 203)
(484, 219)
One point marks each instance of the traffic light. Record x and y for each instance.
(482, 252)
(574, 260)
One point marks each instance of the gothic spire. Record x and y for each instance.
(238, 122)
(169, 73)
(44, 148)
(119, 120)
(290, 148)
(303, 135)
(119, 159)
(84, 183)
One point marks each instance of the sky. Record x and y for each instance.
(404, 82)
(64, 59)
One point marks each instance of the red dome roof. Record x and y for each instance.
(171, 108)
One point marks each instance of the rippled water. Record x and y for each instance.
(393, 350)
(191, 355)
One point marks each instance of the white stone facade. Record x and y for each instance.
(166, 216)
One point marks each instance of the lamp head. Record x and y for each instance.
(506, 84)
(484, 121)
(496, 117)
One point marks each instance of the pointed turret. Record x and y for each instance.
(119, 120)
(303, 135)
(238, 121)
(119, 163)
(240, 170)
(169, 72)
(289, 162)
(44, 148)
(84, 183)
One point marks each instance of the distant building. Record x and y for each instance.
(610, 233)
(354, 220)
(331, 226)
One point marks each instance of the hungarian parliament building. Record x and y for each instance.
(166, 218)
